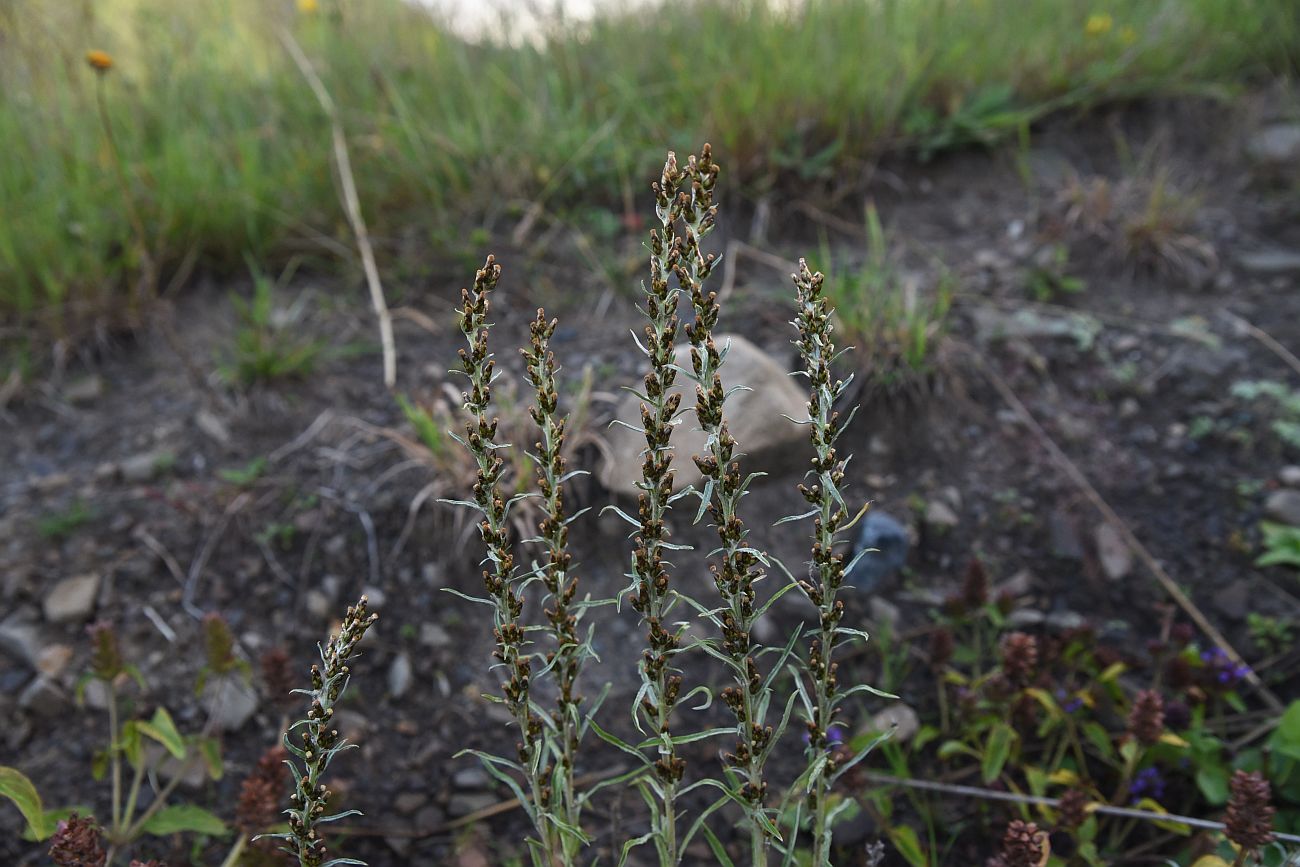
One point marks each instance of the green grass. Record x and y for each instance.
(227, 153)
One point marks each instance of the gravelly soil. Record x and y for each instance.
(1137, 392)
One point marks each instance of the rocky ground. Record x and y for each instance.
(142, 490)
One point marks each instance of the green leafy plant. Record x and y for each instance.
(549, 748)
(266, 349)
(893, 325)
(1281, 545)
(62, 524)
(1282, 402)
(1050, 277)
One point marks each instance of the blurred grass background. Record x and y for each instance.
(226, 152)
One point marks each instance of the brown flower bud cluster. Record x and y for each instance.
(1250, 813)
(77, 843)
(1146, 719)
(1023, 845)
(500, 581)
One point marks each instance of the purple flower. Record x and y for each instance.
(1069, 705)
(1147, 784)
(834, 736)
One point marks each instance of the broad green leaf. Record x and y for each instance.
(904, 839)
(184, 817)
(210, 750)
(15, 786)
(163, 730)
(996, 751)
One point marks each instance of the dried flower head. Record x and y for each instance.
(76, 843)
(1250, 815)
(1019, 657)
(100, 61)
(105, 652)
(974, 586)
(258, 807)
(276, 676)
(1023, 845)
(942, 645)
(1072, 810)
(219, 644)
(1146, 720)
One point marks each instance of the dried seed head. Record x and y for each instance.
(1019, 657)
(1146, 720)
(1250, 815)
(258, 807)
(1023, 845)
(219, 644)
(1072, 809)
(77, 843)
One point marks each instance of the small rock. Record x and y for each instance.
(952, 497)
(399, 675)
(1023, 617)
(434, 635)
(232, 700)
(1270, 263)
(472, 855)
(1276, 145)
(375, 597)
(95, 694)
(85, 390)
(1284, 507)
(146, 466)
(1290, 476)
(471, 778)
(43, 697)
(431, 574)
(882, 532)
(900, 715)
(1234, 600)
(940, 516)
(401, 846)
(53, 660)
(1019, 584)
(212, 425)
(464, 803)
(884, 613)
(1063, 536)
(193, 774)
(318, 604)
(72, 599)
(1114, 553)
(408, 802)
(21, 641)
(1129, 407)
(1065, 620)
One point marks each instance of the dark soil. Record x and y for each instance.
(1143, 406)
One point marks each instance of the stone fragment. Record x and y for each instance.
(754, 418)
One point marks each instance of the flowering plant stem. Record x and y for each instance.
(817, 349)
(723, 489)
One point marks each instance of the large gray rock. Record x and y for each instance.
(232, 701)
(889, 539)
(754, 417)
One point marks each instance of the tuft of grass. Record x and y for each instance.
(436, 120)
(893, 325)
(265, 349)
(56, 526)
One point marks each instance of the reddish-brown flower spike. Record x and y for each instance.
(1146, 721)
(258, 807)
(1023, 845)
(1250, 815)
(1072, 810)
(1019, 657)
(77, 843)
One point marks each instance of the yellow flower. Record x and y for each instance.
(307, 7)
(100, 61)
(1127, 35)
(1099, 24)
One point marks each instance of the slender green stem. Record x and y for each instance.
(114, 757)
(133, 794)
